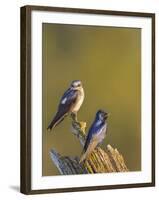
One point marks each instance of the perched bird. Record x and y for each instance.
(96, 134)
(70, 102)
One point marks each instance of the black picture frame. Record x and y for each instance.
(25, 182)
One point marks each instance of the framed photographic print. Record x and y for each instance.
(87, 99)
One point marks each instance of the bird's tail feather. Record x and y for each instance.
(89, 150)
(83, 157)
(56, 120)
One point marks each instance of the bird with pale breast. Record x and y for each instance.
(70, 103)
(96, 134)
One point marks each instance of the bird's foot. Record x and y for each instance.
(80, 125)
(74, 116)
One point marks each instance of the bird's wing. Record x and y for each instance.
(95, 136)
(96, 132)
(66, 102)
(92, 145)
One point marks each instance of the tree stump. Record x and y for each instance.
(99, 161)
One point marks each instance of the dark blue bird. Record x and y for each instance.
(96, 134)
(70, 102)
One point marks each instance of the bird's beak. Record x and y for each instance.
(106, 115)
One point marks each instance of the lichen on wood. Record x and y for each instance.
(100, 161)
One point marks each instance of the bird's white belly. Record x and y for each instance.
(78, 102)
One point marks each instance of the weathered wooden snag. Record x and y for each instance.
(99, 161)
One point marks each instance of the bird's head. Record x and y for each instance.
(76, 84)
(102, 115)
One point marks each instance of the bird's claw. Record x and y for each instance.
(74, 117)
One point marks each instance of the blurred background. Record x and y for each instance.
(108, 62)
